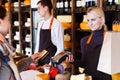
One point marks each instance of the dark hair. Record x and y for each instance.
(2, 12)
(47, 3)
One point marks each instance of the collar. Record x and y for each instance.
(48, 19)
(95, 33)
(98, 32)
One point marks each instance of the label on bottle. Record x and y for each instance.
(61, 5)
(110, 0)
(88, 0)
(58, 5)
(116, 1)
(66, 4)
(83, 3)
(78, 3)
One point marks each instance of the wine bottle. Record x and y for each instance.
(116, 1)
(90, 3)
(57, 6)
(78, 3)
(110, 2)
(61, 7)
(83, 3)
(67, 6)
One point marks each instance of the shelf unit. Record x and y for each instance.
(20, 18)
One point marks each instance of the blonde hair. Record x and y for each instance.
(98, 12)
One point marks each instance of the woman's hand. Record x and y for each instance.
(70, 58)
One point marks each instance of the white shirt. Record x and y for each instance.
(57, 34)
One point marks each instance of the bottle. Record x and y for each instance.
(67, 6)
(117, 2)
(57, 6)
(78, 3)
(87, 3)
(90, 3)
(83, 3)
(61, 7)
(110, 2)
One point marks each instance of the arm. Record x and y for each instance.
(58, 37)
(83, 46)
(78, 63)
(25, 62)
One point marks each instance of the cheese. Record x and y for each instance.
(63, 76)
(66, 25)
(78, 77)
(116, 76)
(81, 70)
(42, 77)
(67, 37)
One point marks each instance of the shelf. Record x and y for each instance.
(62, 12)
(26, 42)
(80, 10)
(112, 8)
(106, 8)
(19, 16)
(78, 29)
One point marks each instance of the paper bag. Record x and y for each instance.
(109, 61)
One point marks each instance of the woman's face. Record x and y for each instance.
(5, 24)
(94, 21)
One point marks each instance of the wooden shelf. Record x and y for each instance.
(21, 14)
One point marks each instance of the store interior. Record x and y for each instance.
(24, 20)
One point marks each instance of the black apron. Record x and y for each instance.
(46, 43)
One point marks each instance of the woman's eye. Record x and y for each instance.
(93, 19)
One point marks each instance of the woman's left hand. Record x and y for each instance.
(70, 58)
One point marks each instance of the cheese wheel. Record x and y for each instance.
(67, 44)
(116, 76)
(42, 77)
(78, 77)
(63, 76)
(66, 25)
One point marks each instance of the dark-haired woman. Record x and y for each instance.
(8, 69)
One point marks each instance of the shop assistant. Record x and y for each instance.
(91, 45)
(50, 32)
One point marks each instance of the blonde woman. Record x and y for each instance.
(91, 45)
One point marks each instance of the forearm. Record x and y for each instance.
(24, 63)
(58, 40)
